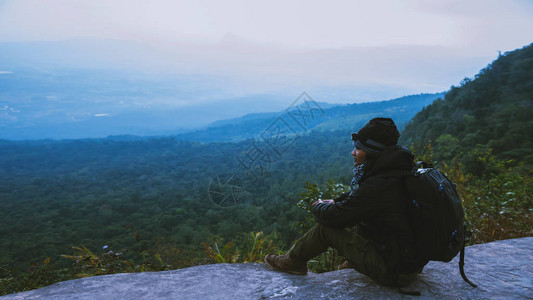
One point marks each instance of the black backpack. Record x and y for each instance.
(437, 216)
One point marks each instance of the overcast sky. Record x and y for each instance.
(481, 24)
(413, 45)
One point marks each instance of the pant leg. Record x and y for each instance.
(355, 248)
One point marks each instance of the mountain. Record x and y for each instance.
(491, 111)
(74, 103)
(316, 116)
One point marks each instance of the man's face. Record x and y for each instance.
(359, 156)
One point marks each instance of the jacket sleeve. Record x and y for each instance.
(363, 204)
(332, 214)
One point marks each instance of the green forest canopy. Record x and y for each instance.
(492, 111)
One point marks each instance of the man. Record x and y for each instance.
(368, 226)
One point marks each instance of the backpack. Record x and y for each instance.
(437, 216)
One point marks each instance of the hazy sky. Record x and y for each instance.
(481, 24)
(413, 45)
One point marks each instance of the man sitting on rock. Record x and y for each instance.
(368, 226)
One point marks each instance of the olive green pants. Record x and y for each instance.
(355, 248)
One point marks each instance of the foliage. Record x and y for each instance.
(481, 134)
(423, 152)
(498, 205)
(226, 254)
(254, 249)
(312, 193)
(329, 260)
(109, 262)
(38, 274)
(326, 262)
(260, 247)
(164, 255)
(493, 110)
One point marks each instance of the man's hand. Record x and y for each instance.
(324, 201)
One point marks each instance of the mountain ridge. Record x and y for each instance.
(347, 117)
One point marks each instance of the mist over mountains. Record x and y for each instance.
(90, 87)
(81, 103)
(74, 103)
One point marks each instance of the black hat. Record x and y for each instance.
(376, 135)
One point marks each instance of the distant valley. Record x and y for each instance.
(97, 103)
(94, 88)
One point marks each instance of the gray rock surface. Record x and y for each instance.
(502, 270)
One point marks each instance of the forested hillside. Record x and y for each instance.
(152, 195)
(493, 111)
(347, 117)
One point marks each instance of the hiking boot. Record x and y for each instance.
(346, 265)
(286, 264)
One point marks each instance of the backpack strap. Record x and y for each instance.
(462, 263)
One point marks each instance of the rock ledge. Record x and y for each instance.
(501, 269)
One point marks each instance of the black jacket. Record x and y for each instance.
(378, 207)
